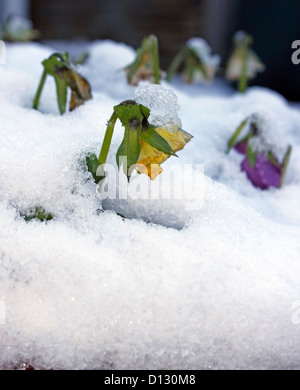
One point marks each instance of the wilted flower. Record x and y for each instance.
(19, 29)
(243, 64)
(150, 157)
(199, 63)
(59, 66)
(262, 166)
(146, 64)
(144, 146)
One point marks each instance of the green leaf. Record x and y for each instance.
(93, 164)
(178, 59)
(81, 59)
(57, 66)
(273, 159)
(233, 139)
(132, 119)
(156, 141)
(38, 213)
(251, 155)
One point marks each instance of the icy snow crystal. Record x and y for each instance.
(162, 102)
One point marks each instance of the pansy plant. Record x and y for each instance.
(198, 62)
(144, 146)
(18, 29)
(261, 164)
(146, 63)
(243, 64)
(37, 213)
(65, 75)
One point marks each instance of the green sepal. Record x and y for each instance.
(132, 120)
(151, 137)
(251, 155)
(56, 63)
(93, 164)
(145, 111)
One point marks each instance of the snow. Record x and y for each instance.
(162, 103)
(168, 287)
(203, 50)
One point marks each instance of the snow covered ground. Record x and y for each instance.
(213, 288)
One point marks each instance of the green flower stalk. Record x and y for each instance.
(243, 64)
(198, 63)
(144, 146)
(146, 64)
(59, 66)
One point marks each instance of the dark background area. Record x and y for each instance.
(274, 24)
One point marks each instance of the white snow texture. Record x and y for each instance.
(164, 288)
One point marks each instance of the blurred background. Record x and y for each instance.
(273, 24)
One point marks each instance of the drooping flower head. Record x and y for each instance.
(152, 133)
(65, 75)
(261, 163)
(198, 62)
(146, 63)
(243, 64)
(18, 29)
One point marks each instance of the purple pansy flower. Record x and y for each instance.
(241, 147)
(265, 174)
(262, 168)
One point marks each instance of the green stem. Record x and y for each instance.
(109, 133)
(39, 91)
(156, 69)
(285, 164)
(132, 69)
(107, 138)
(243, 82)
(236, 134)
(190, 68)
(178, 59)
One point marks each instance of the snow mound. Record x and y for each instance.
(216, 287)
